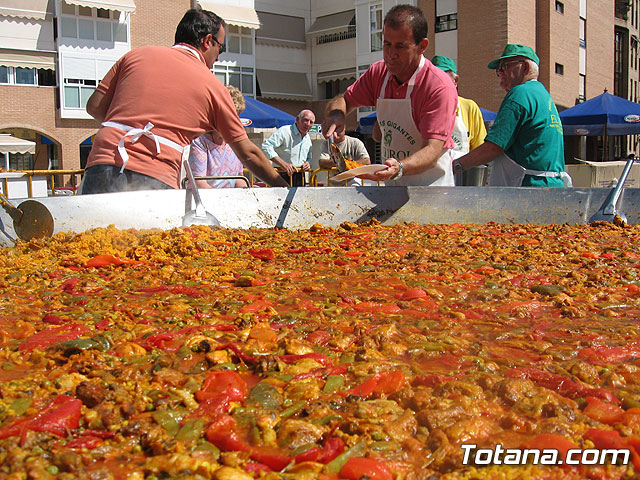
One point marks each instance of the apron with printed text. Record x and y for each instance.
(401, 138)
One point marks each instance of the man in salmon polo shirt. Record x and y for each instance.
(415, 105)
(154, 101)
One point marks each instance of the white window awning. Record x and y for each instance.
(27, 59)
(33, 9)
(11, 144)
(333, 22)
(333, 75)
(120, 5)
(283, 85)
(233, 15)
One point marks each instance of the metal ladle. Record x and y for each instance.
(199, 216)
(31, 219)
(608, 210)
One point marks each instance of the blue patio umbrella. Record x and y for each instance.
(603, 115)
(258, 114)
(488, 115)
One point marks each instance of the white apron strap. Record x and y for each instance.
(412, 80)
(566, 178)
(135, 134)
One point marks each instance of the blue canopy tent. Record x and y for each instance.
(605, 115)
(365, 124)
(260, 115)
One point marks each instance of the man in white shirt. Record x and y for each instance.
(289, 148)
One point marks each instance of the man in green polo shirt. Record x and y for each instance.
(525, 142)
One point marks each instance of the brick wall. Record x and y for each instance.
(155, 22)
(34, 108)
(600, 42)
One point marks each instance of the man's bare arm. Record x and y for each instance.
(98, 105)
(256, 161)
(485, 153)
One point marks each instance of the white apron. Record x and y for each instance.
(401, 138)
(507, 173)
(460, 137)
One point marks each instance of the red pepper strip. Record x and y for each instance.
(376, 307)
(331, 449)
(227, 383)
(59, 417)
(211, 407)
(412, 294)
(605, 439)
(262, 253)
(15, 428)
(239, 353)
(382, 382)
(104, 260)
(223, 434)
(318, 357)
(62, 415)
(87, 441)
(602, 354)
(559, 383)
(52, 319)
(69, 285)
(356, 468)
(602, 411)
(52, 336)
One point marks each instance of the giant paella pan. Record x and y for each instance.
(396, 333)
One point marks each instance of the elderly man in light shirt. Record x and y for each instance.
(289, 148)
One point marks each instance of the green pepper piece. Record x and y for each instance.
(335, 465)
(191, 430)
(20, 405)
(328, 419)
(209, 447)
(266, 395)
(333, 384)
(167, 420)
(293, 409)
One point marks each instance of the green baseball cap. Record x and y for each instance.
(515, 50)
(444, 63)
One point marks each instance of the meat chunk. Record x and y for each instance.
(90, 393)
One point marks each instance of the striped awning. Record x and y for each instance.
(121, 5)
(233, 15)
(27, 59)
(33, 9)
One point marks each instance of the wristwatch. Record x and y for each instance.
(399, 174)
(457, 166)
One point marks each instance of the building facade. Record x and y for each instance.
(585, 47)
(298, 55)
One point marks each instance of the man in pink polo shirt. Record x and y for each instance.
(415, 104)
(154, 101)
